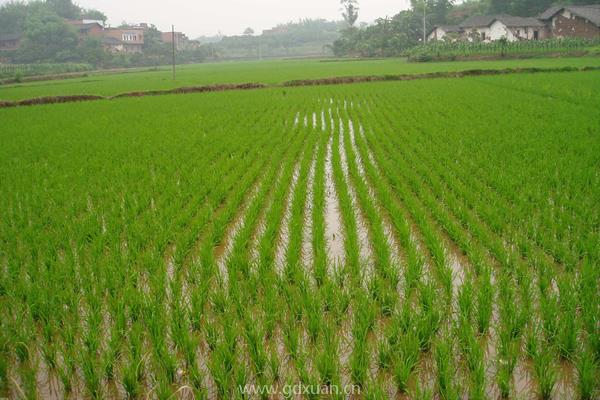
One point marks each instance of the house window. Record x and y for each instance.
(536, 35)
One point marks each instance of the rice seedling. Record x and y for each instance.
(544, 370)
(406, 358)
(587, 374)
(444, 362)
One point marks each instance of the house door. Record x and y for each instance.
(536, 35)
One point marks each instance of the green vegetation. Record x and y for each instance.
(440, 50)
(8, 71)
(180, 245)
(270, 72)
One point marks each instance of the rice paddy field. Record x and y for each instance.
(432, 239)
(267, 72)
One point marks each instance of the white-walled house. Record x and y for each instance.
(441, 32)
(494, 27)
(488, 28)
(558, 21)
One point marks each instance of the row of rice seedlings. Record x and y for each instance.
(432, 241)
(91, 376)
(239, 260)
(272, 237)
(488, 313)
(485, 313)
(413, 258)
(553, 227)
(319, 243)
(293, 252)
(489, 215)
(228, 381)
(478, 231)
(381, 250)
(352, 263)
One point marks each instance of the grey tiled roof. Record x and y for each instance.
(9, 36)
(478, 21)
(508, 20)
(591, 12)
(520, 21)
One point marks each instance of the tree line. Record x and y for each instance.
(47, 38)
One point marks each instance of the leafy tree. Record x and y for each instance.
(12, 17)
(249, 31)
(91, 51)
(94, 14)
(64, 8)
(350, 13)
(47, 38)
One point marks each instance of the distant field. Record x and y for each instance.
(423, 239)
(270, 72)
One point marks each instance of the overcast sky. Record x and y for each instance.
(199, 17)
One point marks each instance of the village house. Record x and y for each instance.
(181, 40)
(445, 32)
(86, 28)
(9, 41)
(573, 21)
(556, 22)
(488, 28)
(123, 40)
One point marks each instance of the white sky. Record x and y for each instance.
(198, 17)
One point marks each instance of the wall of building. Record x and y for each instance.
(436, 34)
(565, 24)
(129, 36)
(498, 31)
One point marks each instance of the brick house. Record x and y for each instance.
(181, 40)
(9, 41)
(573, 21)
(86, 29)
(123, 40)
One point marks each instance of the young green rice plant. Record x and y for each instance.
(384, 355)
(291, 337)
(544, 370)
(327, 360)
(587, 374)
(485, 300)
(384, 294)
(549, 310)
(4, 357)
(314, 317)
(568, 321)
(274, 365)
(92, 376)
(254, 343)
(465, 301)
(474, 356)
(406, 359)
(429, 319)
(444, 361)
(374, 390)
(359, 359)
